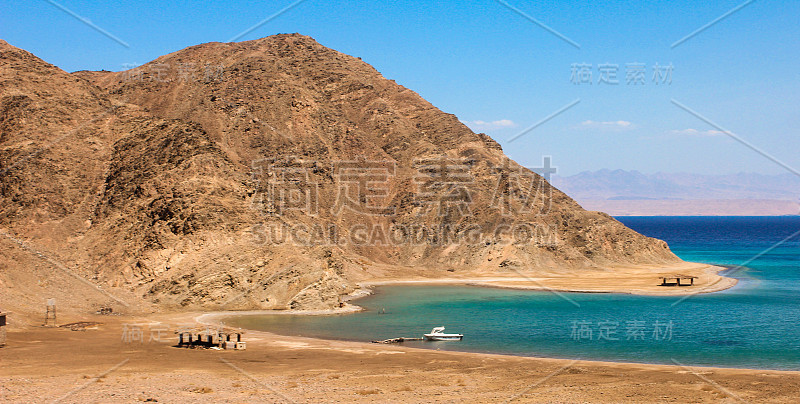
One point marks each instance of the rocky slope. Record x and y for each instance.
(273, 173)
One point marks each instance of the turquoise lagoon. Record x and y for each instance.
(753, 325)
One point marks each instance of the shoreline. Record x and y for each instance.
(320, 340)
(710, 274)
(276, 368)
(216, 318)
(367, 288)
(95, 365)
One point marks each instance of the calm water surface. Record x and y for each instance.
(754, 325)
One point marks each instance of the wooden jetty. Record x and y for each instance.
(396, 340)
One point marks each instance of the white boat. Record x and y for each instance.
(437, 334)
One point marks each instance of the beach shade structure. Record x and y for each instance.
(678, 280)
(198, 337)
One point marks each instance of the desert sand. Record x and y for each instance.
(629, 279)
(98, 364)
(128, 358)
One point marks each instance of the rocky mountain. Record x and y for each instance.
(274, 173)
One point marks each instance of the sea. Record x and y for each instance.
(755, 324)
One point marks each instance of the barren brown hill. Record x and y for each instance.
(273, 173)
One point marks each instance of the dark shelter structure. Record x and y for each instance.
(211, 338)
(678, 280)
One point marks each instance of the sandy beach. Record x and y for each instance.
(128, 358)
(99, 364)
(639, 280)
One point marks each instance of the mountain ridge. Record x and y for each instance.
(173, 185)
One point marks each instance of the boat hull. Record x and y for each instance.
(443, 337)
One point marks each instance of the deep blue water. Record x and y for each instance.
(753, 325)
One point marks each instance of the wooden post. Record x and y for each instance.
(51, 312)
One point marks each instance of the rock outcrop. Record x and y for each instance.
(273, 173)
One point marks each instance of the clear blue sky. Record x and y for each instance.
(486, 63)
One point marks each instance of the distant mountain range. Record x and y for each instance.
(633, 185)
(621, 192)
